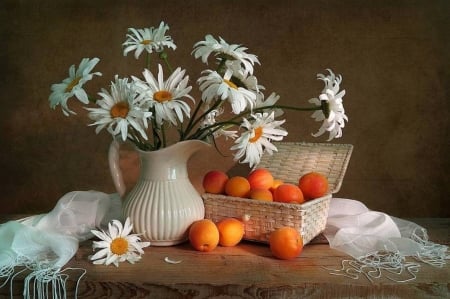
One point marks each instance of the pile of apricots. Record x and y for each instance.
(260, 184)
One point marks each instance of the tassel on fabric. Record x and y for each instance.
(49, 283)
(43, 244)
(378, 243)
(430, 253)
(390, 265)
(45, 283)
(7, 264)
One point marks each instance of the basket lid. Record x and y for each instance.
(294, 159)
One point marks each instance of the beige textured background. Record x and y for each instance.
(393, 55)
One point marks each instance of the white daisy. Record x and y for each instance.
(269, 102)
(148, 39)
(226, 133)
(72, 86)
(332, 113)
(213, 85)
(165, 97)
(117, 245)
(256, 140)
(119, 110)
(222, 49)
(245, 80)
(210, 120)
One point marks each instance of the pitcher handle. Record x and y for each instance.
(114, 167)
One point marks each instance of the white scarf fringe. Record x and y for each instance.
(379, 244)
(44, 281)
(43, 244)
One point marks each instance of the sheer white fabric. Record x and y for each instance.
(45, 243)
(379, 243)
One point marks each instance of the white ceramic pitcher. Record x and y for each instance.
(163, 203)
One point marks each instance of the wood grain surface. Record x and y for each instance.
(245, 271)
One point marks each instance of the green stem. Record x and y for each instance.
(221, 67)
(156, 138)
(92, 99)
(232, 121)
(211, 129)
(137, 140)
(313, 108)
(163, 55)
(163, 134)
(261, 109)
(194, 121)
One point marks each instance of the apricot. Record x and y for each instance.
(214, 182)
(313, 185)
(260, 178)
(261, 194)
(204, 235)
(231, 231)
(286, 243)
(237, 186)
(288, 193)
(276, 183)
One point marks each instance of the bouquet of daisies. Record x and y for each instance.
(232, 105)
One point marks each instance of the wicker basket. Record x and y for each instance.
(290, 162)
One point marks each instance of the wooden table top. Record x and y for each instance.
(246, 271)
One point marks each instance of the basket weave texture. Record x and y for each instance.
(289, 163)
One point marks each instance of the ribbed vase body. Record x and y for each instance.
(163, 203)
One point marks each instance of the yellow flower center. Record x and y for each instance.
(72, 84)
(146, 42)
(119, 246)
(258, 133)
(120, 110)
(162, 96)
(231, 84)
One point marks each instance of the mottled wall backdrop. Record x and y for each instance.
(393, 55)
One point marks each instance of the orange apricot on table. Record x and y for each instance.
(214, 181)
(237, 186)
(204, 235)
(260, 178)
(313, 185)
(261, 194)
(286, 243)
(288, 193)
(231, 231)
